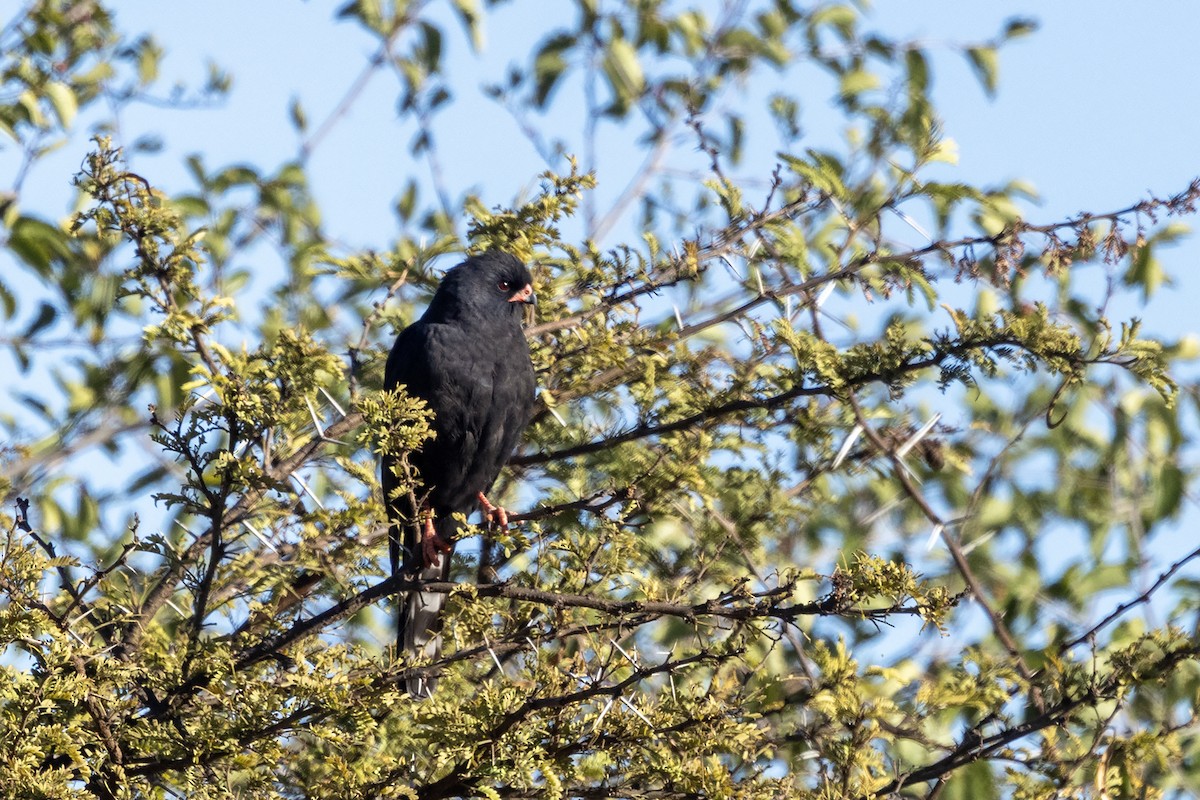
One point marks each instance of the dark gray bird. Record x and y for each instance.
(468, 359)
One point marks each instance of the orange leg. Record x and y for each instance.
(492, 514)
(432, 545)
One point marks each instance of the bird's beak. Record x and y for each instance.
(525, 296)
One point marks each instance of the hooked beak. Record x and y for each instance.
(525, 296)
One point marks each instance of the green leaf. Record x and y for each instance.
(986, 64)
(64, 102)
(148, 55)
(150, 143)
(431, 47)
(1017, 27)
(823, 170)
(369, 12)
(8, 301)
(38, 243)
(917, 71)
(28, 101)
(45, 317)
(858, 81)
(973, 782)
(624, 71)
(692, 26)
(1168, 491)
(1171, 232)
(841, 17)
(190, 205)
(1145, 271)
(469, 14)
(737, 136)
(298, 117)
(549, 65)
(946, 150)
(407, 202)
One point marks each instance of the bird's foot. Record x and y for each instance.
(492, 514)
(432, 545)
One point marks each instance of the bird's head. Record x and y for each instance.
(491, 285)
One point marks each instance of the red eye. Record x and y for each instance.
(504, 286)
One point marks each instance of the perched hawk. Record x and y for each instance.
(468, 359)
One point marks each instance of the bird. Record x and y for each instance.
(468, 359)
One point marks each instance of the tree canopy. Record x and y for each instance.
(847, 479)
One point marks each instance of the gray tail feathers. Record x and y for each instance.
(419, 620)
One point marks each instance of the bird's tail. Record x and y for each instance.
(419, 618)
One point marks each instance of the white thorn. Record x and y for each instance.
(908, 471)
(844, 450)
(259, 536)
(982, 539)
(308, 491)
(603, 713)
(332, 402)
(933, 536)
(823, 295)
(554, 413)
(316, 422)
(879, 512)
(838, 206)
(912, 224)
(634, 709)
(678, 316)
(80, 618)
(628, 657)
(492, 653)
(206, 396)
(758, 279)
(903, 449)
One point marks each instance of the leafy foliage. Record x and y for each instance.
(760, 551)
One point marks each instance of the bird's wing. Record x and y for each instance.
(429, 361)
(452, 369)
(512, 407)
(405, 366)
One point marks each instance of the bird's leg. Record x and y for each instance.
(492, 514)
(432, 545)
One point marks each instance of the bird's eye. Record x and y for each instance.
(504, 286)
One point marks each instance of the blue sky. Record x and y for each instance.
(1094, 110)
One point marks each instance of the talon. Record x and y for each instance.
(492, 513)
(432, 545)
